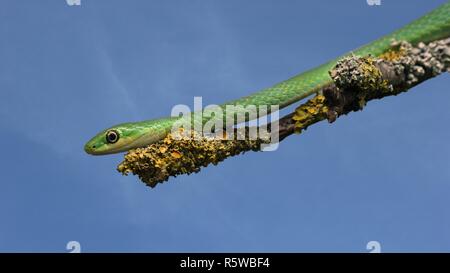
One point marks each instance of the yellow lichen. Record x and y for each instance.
(310, 112)
(394, 54)
(175, 154)
(371, 81)
(360, 75)
(180, 154)
(163, 149)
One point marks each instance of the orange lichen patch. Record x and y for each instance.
(163, 149)
(175, 154)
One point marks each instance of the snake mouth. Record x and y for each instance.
(93, 147)
(93, 150)
(90, 148)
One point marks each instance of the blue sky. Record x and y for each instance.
(67, 72)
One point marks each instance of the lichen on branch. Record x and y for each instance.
(356, 80)
(182, 154)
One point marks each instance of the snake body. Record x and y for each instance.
(432, 26)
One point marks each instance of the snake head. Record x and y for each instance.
(113, 140)
(126, 136)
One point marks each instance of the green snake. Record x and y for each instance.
(432, 26)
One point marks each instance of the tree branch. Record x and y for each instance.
(356, 80)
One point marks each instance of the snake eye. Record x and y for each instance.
(112, 136)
